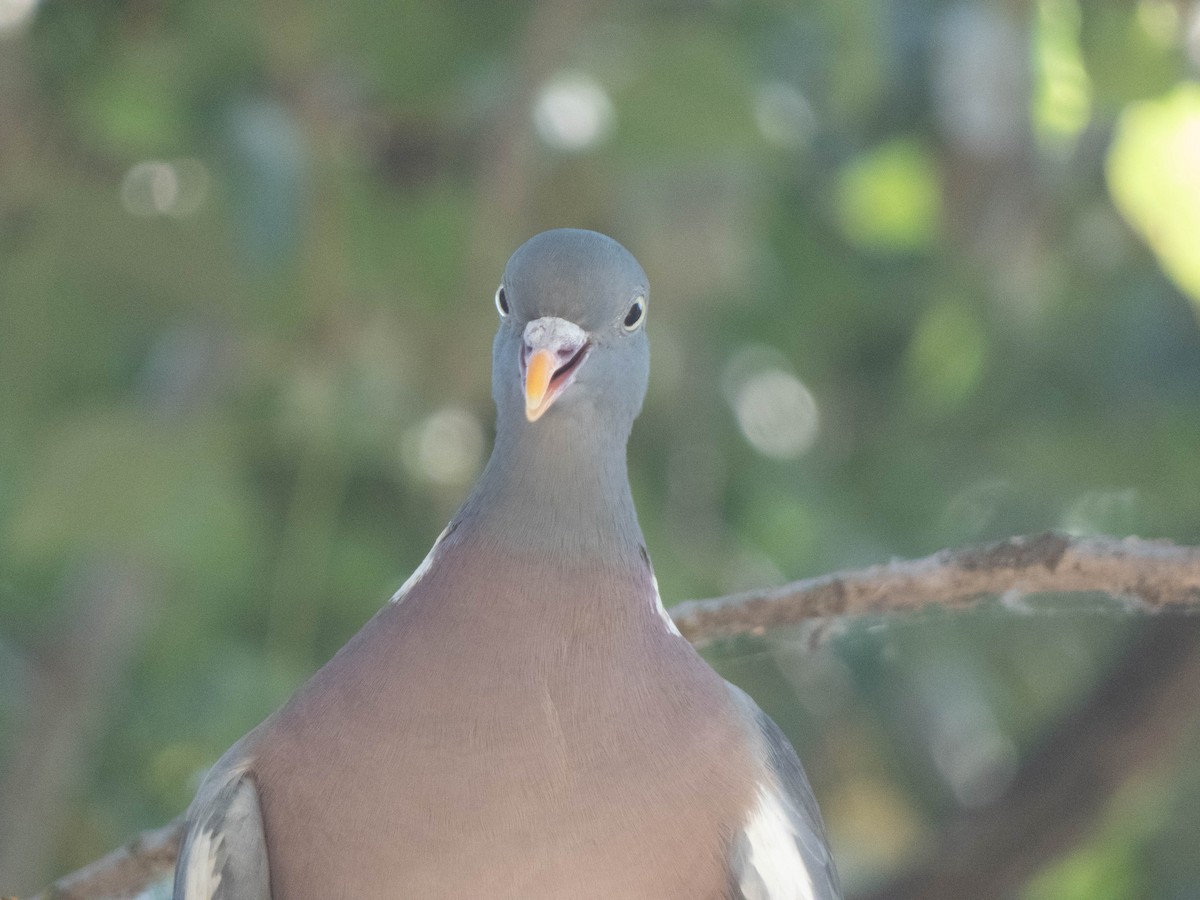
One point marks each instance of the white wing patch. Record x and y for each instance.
(773, 854)
(423, 569)
(662, 610)
(203, 866)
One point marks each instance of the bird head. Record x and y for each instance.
(572, 341)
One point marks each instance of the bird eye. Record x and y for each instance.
(501, 302)
(637, 312)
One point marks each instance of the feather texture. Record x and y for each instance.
(224, 851)
(781, 852)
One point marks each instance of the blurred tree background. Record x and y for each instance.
(925, 272)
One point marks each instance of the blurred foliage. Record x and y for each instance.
(925, 273)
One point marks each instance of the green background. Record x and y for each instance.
(924, 273)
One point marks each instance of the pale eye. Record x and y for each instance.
(636, 314)
(501, 302)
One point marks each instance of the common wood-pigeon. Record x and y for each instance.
(523, 720)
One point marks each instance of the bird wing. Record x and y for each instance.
(781, 852)
(224, 851)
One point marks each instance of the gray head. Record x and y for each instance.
(571, 347)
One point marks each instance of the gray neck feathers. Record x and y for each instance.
(557, 488)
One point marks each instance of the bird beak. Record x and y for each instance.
(552, 352)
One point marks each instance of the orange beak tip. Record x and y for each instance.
(539, 369)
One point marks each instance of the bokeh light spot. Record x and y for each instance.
(1063, 101)
(1099, 512)
(15, 14)
(446, 448)
(975, 758)
(1160, 20)
(980, 90)
(572, 112)
(946, 357)
(1154, 175)
(775, 411)
(972, 752)
(783, 116)
(890, 198)
(1193, 35)
(154, 188)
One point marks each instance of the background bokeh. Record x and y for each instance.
(925, 272)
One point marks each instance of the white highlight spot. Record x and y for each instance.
(775, 411)
(1017, 602)
(203, 866)
(974, 755)
(572, 112)
(16, 14)
(662, 610)
(155, 188)
(774, 856)
(446, 448)
(1192, 39)
(784, 116)
(1102, 511)
(423, 569)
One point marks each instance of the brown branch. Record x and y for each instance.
(124, 873)
(1157, 574)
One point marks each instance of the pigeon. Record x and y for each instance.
(523, 719)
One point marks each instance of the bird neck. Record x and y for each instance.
(560, 490)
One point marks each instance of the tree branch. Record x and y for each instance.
(1155, 574)
(145, 861)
